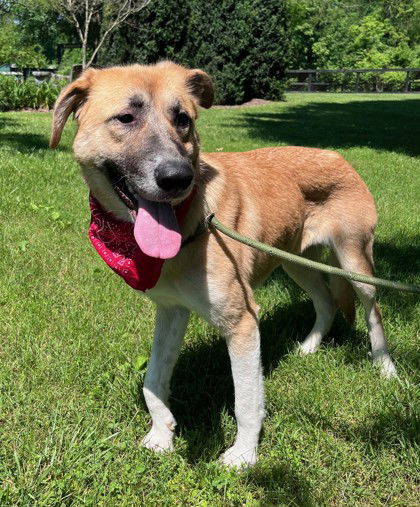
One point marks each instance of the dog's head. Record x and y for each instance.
(136, 130)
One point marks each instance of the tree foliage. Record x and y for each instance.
(15, 46)
(30, 32)
(12, 51)
(242, 44)
(342, 33)
(88, 15)
(38, 25)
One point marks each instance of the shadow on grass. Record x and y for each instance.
(282, 486)
(202, 382)
(202, 391)
(392, 125)
(203, 388)
(388, 427)
(397, 260)
(23, 142)
(6, 122)
(400, 263)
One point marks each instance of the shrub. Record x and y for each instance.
(242, 44)
(243, 47)
(16, 94)
(394, 81)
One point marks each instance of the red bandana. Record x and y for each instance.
(114, 240)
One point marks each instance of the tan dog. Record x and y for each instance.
(139, 153)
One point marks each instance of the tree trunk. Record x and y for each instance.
(84, 49)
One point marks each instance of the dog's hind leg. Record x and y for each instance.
(357, 256)
(171, 323)
(313, 283)
(243, 340)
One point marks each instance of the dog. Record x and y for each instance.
(139, 152)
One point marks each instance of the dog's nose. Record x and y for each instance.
(173, 175)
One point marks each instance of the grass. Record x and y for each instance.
(74, 339)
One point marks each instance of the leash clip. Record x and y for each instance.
(207, 220)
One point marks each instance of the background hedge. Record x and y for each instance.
(242, 44)
(16, 94)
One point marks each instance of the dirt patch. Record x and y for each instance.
(251, 103)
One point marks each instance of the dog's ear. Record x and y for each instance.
(201, 86)
(69, 101)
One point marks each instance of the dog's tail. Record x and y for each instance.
(342, 291)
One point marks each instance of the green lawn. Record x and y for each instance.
(74, 338)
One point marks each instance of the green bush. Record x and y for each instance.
(16, 94)
(382, 82)
(70, 57)
(242, 44)
(394, 81)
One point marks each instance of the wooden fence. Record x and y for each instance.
(311, 80)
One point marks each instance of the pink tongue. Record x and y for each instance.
(156, 229)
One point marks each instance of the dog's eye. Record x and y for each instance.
(125, 118)
(182, 120)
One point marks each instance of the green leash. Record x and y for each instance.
(297, 259)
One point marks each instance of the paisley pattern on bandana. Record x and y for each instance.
(114, 241)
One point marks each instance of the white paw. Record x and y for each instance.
(387, 367)
(307, 347)
(158, 441)
(239, 457)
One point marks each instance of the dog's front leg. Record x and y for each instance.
(171, 323)
(244, 351)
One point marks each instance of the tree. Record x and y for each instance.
(323, 33)
(14, 47)
(38, 25)
(243, 47)
(13, 51)
(84, 14)
(242, 44)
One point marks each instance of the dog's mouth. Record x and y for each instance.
(156, 228)
(120, 186)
